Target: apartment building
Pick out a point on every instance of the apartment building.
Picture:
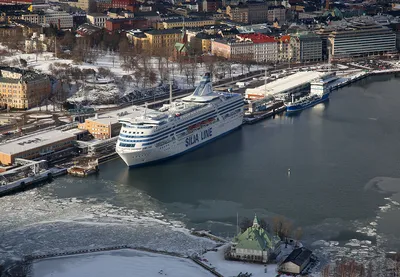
(155, 40)
(22, 89)
(188, 23)
(97, 19)
(210, 5)
(255, 47)
(59, 19)
(62, 20)
(258, 12)
(238, 13)
(265, 47)
(276, 13)
(310, 46)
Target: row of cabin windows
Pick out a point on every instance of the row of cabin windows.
(126, 132)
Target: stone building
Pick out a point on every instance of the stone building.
(238, 13)
(22, 89)
(276, 13)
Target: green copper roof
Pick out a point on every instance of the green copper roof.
(255, 238)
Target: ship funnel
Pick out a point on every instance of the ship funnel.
(205, 86)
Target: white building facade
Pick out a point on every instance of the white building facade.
(98, 19)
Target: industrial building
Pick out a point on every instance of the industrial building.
(106, 126)
(288, 84)
(36, 145)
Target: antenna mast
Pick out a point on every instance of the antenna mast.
(237, 223)
(170, 92)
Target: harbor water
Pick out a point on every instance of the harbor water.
(333, 170)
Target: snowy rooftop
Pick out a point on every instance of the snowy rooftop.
(287, 83)
(114, 116)
(119, 263)
(34, 141)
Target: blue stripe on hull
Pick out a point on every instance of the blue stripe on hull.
(183, 152)
(300, 108)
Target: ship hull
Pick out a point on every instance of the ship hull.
(300, 107)
(180, 146)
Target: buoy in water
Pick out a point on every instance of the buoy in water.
(288, 172)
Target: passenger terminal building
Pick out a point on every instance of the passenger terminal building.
(38, 145)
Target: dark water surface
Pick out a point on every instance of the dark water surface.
(332, 150)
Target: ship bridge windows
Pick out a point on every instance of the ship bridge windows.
(126, 144)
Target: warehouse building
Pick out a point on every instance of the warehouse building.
(35, 146)
(296, 262)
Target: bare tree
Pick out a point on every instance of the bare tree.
(138, 77)
(349, 268)
(193, 73)
(38, 50)
(152, 77)
(245, 223)
(281, 227)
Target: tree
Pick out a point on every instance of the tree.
(124, 50)
(38, 50)
(349, 268)
(68, 41)
(245, 223)
(152, 77)
(126, 79)
(138, 77)
(281, 227)
(263, 224)
(23, 62)
(78, 54)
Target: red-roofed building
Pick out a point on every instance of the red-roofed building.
(265, 47)
(256, 47)
(257, 38)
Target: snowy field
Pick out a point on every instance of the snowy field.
(121, 263)
(112, 61)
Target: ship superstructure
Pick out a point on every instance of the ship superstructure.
(319, 92)
(180, 126)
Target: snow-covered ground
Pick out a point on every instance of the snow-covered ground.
(119, 263)
(233, 268)
(215, 259)
(110, 60)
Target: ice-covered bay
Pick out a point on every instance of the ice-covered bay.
(33, 224)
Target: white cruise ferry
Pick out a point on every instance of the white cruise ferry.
(180, 126)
